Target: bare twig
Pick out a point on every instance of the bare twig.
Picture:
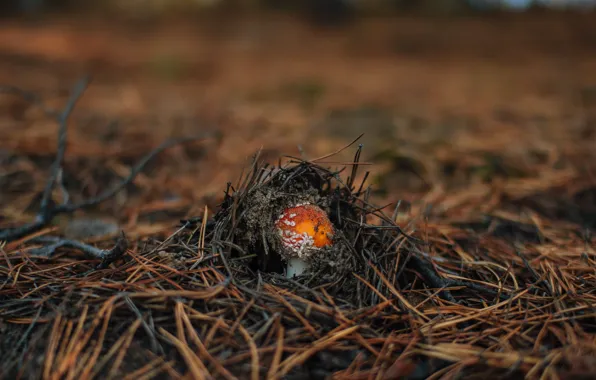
(48, 210)
(68, 208)
(62, 119)
(106, 256)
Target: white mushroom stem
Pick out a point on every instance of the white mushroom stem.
(295, 267)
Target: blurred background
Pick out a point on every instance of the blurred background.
(453, 96)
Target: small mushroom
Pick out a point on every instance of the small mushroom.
(303, 230)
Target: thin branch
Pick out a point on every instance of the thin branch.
(44, 218)
(337, 151)
(68, 208)
(79, 88)
(106, 256)
(48, 210)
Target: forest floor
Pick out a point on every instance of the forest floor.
(483, 127)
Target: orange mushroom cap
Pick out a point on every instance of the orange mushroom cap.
(303, 228)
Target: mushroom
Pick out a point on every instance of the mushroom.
(303, 229)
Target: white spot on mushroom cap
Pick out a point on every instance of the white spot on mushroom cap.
(295, 244)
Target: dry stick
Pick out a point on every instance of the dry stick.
(431, 277)
(45, 218)
(133, 173)
(352, 177)
(47, 212)
(106, 255)
(45, 207)
(44, 215)
(337, 151)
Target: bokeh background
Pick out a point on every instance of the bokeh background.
(454, 97)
